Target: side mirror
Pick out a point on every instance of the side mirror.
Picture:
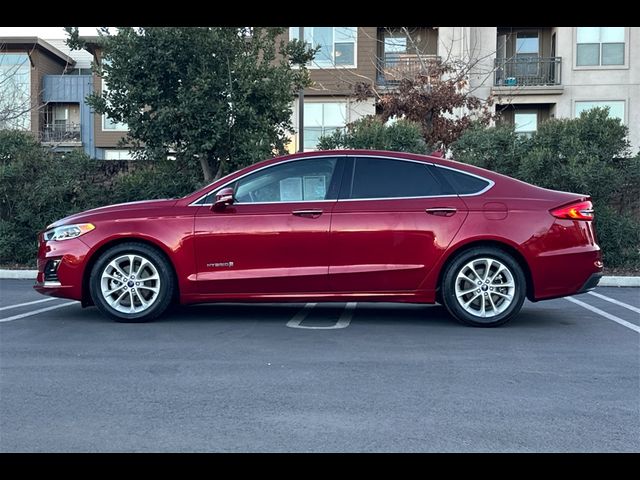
(223, 198)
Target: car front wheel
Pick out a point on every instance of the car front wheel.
(132, 282)
(484, 287)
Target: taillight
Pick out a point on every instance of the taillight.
(575, 211)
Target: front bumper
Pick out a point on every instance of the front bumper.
(72, 255)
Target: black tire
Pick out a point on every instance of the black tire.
(165, 273)
(448, 285)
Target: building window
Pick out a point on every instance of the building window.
(395, 42)
(526, 123)
(15, 91)
(616, 108)
(322, 119)
(600, 46)
(337, 45)
(109, 124)
(117, 154)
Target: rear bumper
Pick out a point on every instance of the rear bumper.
(560, 274)
(591, 283)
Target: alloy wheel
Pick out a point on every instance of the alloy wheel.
(130, 283)
(485, 287)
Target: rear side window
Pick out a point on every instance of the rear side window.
(461, 183)
(386, 178)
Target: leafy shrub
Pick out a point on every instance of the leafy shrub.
(156, 179)
(38, 188)
(371, 133)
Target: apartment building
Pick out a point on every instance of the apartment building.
(44, 86)
(533, 73)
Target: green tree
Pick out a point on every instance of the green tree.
(220, 96)
(372, 133)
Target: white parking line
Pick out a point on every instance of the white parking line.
(622, 322)
(35, 312)
(617, 302)
(343, 321)
(27, 303)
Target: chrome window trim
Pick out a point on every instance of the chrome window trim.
(490, 184)
(394, 198)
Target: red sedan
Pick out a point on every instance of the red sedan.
(350, 225)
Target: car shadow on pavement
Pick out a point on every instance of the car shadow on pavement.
(273, 313)
(379, 314)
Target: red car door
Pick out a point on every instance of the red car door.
(389, 226)
(274, 238)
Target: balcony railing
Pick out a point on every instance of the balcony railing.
(527, 71)
(62, 132)
(393, 67)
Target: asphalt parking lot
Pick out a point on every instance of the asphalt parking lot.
(561, 377)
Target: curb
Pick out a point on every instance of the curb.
(604, 281)
(619, 282)
(19, 274)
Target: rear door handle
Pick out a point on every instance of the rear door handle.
(441, 211)
(313, 213)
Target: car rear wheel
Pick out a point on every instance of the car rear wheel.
(484, 287)
(131, 283)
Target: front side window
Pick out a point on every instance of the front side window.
(616, 108)
(600, 46)
(15, 91)
(337, 45)
(322, 119)
(386, 178)
(302, 180)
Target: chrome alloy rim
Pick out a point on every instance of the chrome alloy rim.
(485, 287)
(130, 284)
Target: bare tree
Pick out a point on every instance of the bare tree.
(443, 92)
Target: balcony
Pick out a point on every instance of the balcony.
(393, 67)
(61, 134)
(528, 74)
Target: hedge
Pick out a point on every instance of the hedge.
(38, 187)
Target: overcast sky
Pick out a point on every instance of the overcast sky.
(42, 32)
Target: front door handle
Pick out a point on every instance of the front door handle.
(442, 211)
(314, 213)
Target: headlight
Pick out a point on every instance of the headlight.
(67, 232)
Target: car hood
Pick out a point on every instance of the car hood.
(86, 215)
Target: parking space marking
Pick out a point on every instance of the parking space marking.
(35, 312)
(347, 315)
(619, 320)
(343, 321)
(617, 302)
(27, 303)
